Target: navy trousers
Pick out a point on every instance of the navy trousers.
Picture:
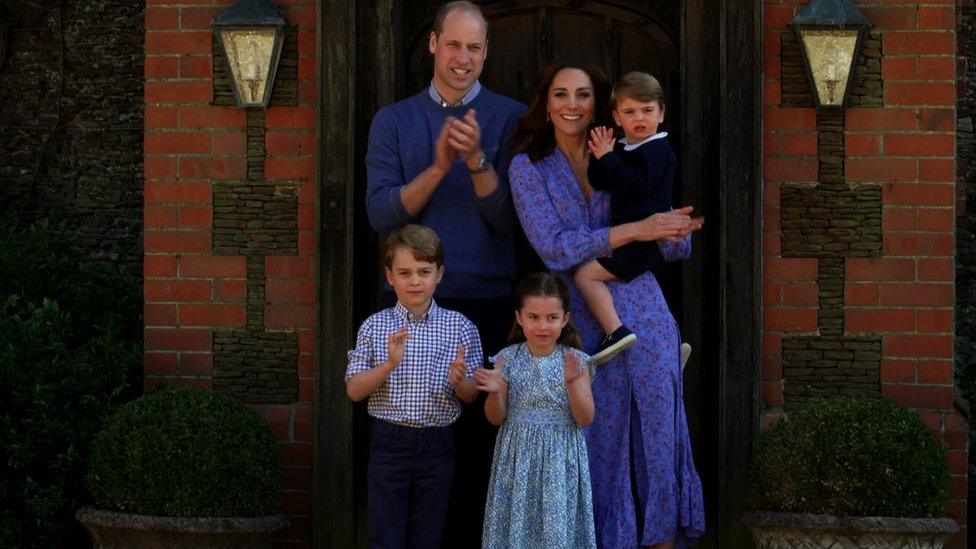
(408, 484)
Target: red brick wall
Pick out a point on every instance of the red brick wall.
(190, 291)
(906, 296)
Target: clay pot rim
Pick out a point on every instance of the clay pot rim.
(114, 519)
(944, 525)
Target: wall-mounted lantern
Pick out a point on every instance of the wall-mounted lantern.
(250, 33)
(831, 33)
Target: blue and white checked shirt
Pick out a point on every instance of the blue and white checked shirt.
(417, 393)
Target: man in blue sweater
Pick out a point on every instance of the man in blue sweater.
(440, 159)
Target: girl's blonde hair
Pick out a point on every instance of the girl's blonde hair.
(545, 285)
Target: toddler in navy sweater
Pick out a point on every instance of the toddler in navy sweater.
(638, 172)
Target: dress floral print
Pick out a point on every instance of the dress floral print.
(645, 486)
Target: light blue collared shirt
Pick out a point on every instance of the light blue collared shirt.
(468, 97)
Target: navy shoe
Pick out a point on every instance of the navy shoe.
(613, 345)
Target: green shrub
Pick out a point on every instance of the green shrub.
(849, 456)
(70, 334)
(187, 453)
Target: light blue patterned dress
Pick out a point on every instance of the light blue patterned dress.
(539, 493)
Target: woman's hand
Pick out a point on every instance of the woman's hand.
(673, 225)
(601, 141)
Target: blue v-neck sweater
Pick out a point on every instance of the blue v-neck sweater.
(476, 233)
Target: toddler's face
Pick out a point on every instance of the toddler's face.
(639, 119)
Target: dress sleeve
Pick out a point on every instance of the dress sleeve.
(561, 246)
(384, 176)
(363, 356)
(674, 251)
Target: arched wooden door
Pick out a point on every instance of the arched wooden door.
(705, 52)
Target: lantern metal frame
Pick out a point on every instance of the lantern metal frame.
(251, 15)
(830, 15)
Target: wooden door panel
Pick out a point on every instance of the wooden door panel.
(512, 63)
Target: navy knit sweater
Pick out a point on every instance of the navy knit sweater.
(640, 180)
(476, 233)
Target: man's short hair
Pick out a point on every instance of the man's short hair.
(420, 240)
(638, 86)
(458, 5)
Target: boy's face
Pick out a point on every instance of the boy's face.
(639, 119)
(413, 280)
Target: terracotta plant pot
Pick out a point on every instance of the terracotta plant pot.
(111, 530)
(788, 530)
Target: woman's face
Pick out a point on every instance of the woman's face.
(571, 102)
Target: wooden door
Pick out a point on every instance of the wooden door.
(706, 54)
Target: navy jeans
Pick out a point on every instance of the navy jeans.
(408, 484)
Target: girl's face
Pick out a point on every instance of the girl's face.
(571, 102)
(542, 319)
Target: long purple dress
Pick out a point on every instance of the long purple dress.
(645, 486)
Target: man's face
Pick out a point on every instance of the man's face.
(459, 53)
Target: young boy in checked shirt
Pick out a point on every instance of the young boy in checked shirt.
(415, 362)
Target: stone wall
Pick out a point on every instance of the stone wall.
(71, 119)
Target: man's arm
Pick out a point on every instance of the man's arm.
(390, 201)
(492, 197)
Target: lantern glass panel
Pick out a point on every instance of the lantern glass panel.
(249, 53)
(830, 53)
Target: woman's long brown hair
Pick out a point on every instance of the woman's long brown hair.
(534, 133)
(545, 285)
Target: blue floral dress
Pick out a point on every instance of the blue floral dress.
(645, 486)
(539, 492)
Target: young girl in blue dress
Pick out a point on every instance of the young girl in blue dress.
(539, 393)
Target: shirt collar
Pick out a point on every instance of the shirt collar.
(467, 98)
(401, 311)
(629, 147)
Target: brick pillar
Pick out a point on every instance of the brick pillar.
(851, 305)
(230, 240)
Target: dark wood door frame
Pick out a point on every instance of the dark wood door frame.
(721, 47)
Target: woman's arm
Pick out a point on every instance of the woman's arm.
(564, 247)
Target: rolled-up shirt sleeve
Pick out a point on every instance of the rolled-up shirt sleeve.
(561, 246)
(473, 357)
(363, 357)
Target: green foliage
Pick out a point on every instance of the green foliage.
(965, 366)
(69, 336)
(854, 457)
(186, 452)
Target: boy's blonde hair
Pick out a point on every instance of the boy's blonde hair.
(638, 86)
(420, 240)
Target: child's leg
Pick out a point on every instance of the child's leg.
(590, 280)
(388, 486)
(430, 489)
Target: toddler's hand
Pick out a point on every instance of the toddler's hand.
(601, 141)
(396, 344)
(490, 381)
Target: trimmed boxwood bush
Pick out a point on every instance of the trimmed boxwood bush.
(854, 457)
(186, 453)
(70, 345)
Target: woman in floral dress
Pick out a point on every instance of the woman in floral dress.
(646, 491)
